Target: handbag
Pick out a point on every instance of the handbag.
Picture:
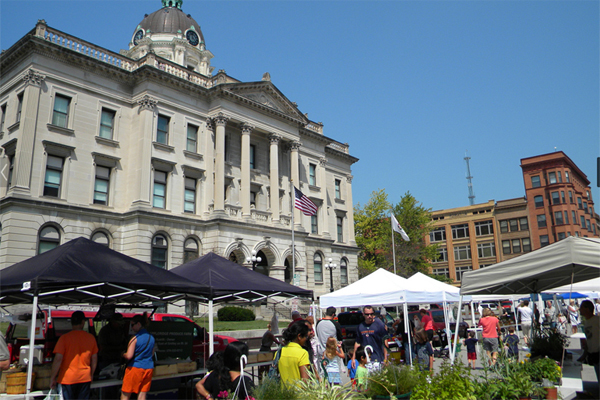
(274, 370)
(124, 363)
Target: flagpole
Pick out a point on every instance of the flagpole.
(293, 194)
(393, 247)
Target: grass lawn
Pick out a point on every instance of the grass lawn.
(238, 325)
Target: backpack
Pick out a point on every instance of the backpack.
(274, 370)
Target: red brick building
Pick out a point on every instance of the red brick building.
(559, 199)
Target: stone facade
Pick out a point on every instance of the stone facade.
(164, 164)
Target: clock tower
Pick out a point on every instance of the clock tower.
(171, 34)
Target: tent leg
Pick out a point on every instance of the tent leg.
(453, 352)
(211, 340)
(31, 345)
(407, 329)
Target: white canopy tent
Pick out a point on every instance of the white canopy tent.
(591, 287)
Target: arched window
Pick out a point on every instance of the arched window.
(287, 275)
(318, 267)
(48, 239)
(101, 238)
(190, 250)
(160, 248)
(344, 271)
(263, 265)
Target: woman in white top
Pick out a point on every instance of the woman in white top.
(526, 315)
(573, 316)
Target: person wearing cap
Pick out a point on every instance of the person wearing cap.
(112, 341)
(295, 317)
(75, 360)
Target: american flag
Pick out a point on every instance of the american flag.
(304, 204)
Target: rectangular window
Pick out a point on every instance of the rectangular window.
(570, 197)
(189, 196)
(11, 167)
(526, 245)
(562, 197)
(539, 201)
(555, 198)
(461, 270)
(514, 225)
(191, 144)
(516, 246)
(437, 235)
(588, 225)
(504, 226)
(567, 217)
(441, 272)
(101, 185)
(107, 124)
(460, 231)
(558, 217)
(535, 181)
(486, 250)
(60, 114)
(54, 168)
(561, 235)
(442, 254)
(484, 228)
(559, 177)
(3, 117)
(462, 252)
(541, 220)
(252, 156)
(582, 218)
(506, 247)
(19, 106)
(544, 241)
(567, 176)
(574, 217)
(312, 174)
(585, 208)
(340, 229)
(162, 129)
(524, 223)
(338, 189)
(579, 203)
(159, 197)
(253, 198)
(314, 224)
(552, 177)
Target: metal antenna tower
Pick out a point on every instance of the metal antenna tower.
(469, 177)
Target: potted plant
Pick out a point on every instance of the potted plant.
(547, 343)
(392, 381)
(450, 382)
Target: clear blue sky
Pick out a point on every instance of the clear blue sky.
(410, 85)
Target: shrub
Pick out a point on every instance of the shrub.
(392, 379)
(235, 314)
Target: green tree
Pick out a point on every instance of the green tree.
(374, 235)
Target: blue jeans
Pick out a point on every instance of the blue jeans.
(76, 391)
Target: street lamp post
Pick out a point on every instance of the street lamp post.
(254, 260)
(330, 266)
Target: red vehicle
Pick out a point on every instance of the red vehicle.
(52, 328)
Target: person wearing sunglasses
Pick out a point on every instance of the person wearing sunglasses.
(371, 332)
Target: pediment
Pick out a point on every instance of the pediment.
(268, 96)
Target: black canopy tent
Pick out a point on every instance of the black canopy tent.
(229, 281)
(82, 271)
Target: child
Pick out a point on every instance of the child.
(351, 371)
(470, 342)
(361, 369)
(511, 344)
(424, 351)
(333, 353)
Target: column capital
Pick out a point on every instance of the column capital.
(210, 125)
(274, 138)
(246, 128)
(349, 178)
(147, 103)
(295, 145)
(322, 161)
(32, 77)
(220, 119)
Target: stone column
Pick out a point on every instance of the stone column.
(295, 146)
(245, 167)
(143, 150)
(220, 122)
(274, 177)
(350, 210)
(324, 217)
(23, 162)
(209, 176)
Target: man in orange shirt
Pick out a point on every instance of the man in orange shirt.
(75, 360)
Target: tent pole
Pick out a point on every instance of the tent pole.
(409, 332)
(31, 344)
(211, 336)
(453, 352)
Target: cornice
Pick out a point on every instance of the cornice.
(339, 154)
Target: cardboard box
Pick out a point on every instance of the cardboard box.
(186, 367)
(262, 357)
(161, 370)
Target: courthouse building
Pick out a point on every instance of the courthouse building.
(152, 154)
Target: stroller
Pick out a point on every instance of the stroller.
(443, 352)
